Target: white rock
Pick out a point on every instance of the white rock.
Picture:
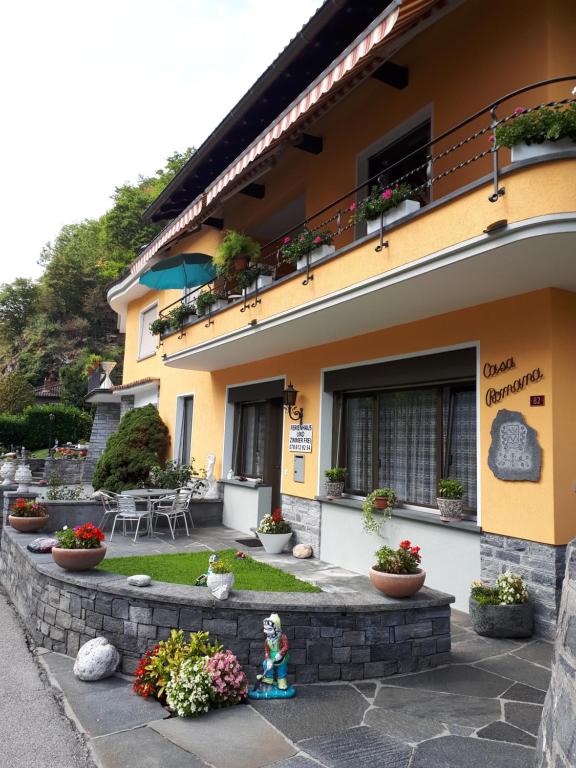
(96, 660)
(302, 551)
(139, 580)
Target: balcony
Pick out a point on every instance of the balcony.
(476, 227)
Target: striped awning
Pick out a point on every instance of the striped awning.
(396, 19)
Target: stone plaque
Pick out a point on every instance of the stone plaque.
(514, 452)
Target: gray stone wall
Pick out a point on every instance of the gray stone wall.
(62, 611)
(542, 565)
(105, 423)
(557, 738)
(126, 404)
(68, 471)
(304, 517)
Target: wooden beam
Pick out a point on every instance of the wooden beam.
(392, 74)
(254, 190)
(214, 222)
(308, 143)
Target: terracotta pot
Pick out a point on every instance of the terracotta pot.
(78, 559)
(381, 502)
(27, 524)
(240, 262)
(397, 584)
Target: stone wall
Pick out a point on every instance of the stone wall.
(68, 471)
(557, 738)
(304, 517)
(327, 642)
(105, 423)
(542, 565)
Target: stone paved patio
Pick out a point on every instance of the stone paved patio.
(482, 710)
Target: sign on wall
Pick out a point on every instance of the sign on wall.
(514, 452)
(300, 438)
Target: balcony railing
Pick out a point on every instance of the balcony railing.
(465, 153)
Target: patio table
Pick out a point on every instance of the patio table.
(148, 494)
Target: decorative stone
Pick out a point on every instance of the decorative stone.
(302, 551)
(514, 452)
(96, 660)
(139, 580)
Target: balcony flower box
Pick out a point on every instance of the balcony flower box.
(261, 282)
(220, 304)
(524, 151)
(405, 208)
(316, 255)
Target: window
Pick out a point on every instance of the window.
(185, 409)
(407, 439)
(147, 345)
(250, 439)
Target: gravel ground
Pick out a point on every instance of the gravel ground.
(34, 732)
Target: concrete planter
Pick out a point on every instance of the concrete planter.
(333, 489)
(502, 620)
(397, 584)
(27, 524)
(261, 282)
(404, 209)
(316, 255)
(450, 509)
(217, 580)
(78, 559)
(274, 543)
(529, 151)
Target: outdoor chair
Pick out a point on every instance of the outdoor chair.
(173, 507)
(127, 512)
(109, 503)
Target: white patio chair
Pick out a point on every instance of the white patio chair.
(109, 503)
(172, 508)
(127, 512)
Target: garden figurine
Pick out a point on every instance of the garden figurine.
(275, 665)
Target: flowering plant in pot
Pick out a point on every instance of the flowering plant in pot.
(450, 504)
(532, 132)
(235, 252)
(79, 548)
(381, 499)
(334, 483)
(502, 610)
(28, 516)
(274, 532)
(382, 203)
(312, 245)
(220, 575)
(397, 572)
(178, 316)
(160, 325)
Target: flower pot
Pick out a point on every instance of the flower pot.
(261, 282)
(397, 584)
(274, 543)
(333, 489)
(216, 580)
(381, 502)
(240, 262)
(502, 620)
(529, 151)
(450, 509)
(316, 255)
(27, 524)
(393, 214)
(78, 559)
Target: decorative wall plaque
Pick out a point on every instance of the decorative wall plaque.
(514, 452)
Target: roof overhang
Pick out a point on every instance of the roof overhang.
(527, 256)
(115, 394)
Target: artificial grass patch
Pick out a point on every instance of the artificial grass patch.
(185, 567)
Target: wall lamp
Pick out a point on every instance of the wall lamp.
(290, 394)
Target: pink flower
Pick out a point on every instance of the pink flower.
(387, 194)
(519, 110)
(317, 240)
(492, 138)
(287, 240)
(352, 207)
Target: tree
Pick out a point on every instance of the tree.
(16, 393)
(17, 303)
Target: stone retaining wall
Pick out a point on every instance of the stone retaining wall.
(541, 565)
(327, 641)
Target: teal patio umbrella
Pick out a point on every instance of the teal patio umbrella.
(186, 270)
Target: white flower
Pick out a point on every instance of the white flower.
(65, 528)
(574, 91)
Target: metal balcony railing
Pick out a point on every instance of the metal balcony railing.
(461, 155)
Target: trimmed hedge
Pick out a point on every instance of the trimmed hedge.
(32, 428)
(140, 442)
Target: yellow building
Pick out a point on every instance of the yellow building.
(417, 343)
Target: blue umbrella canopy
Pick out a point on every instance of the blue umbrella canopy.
(186, 270)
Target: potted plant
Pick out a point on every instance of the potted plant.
(235, 252)
(27, 516)
(397, 572)
(334, 483)
(254, 277)
(178, 316)
(159, 326)
(204, 301)
(220, 575)
(387, 204)
(79, 548)
(503, 610)
(274, 532)
(306, 246)
(450, 504)
(382, 499)
(536, 132)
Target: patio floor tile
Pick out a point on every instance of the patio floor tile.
(359, 747)
(470, 681)
(457, 752)
(505, 732)
(448, 708)
(518, 669)
(152, 750)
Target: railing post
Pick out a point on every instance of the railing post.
(498, 191)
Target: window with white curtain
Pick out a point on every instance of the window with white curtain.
(147, 344)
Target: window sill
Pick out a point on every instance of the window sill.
(245, 483)
(466, 524)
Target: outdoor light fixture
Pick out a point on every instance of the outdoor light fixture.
(290, 394)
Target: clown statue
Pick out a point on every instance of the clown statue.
(273, 683)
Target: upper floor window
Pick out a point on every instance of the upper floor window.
(147, 342)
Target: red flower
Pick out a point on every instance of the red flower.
(405, 544)
(287, 240)
(317, 240)
(277, 516)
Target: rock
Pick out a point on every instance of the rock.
(302, 551)
(139, 580)
(96, 660)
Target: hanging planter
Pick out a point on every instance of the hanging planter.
(537, 132)
(311, 246)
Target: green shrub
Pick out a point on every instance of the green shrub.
(15, 393)
(11, 430)
(140, 443)
(539, 125)
(70, 425)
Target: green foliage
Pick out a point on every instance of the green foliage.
(17, 304)
(172, 475)
(381, 200)
(140, 443)
(204, 301)
(235, 244)
(11, 430)
(59, 491)
(16, 393)
(510, 589)
(296, 248)
(537, 126)
(181, 312)
(450, 489)
(70, 425)
(371, 524)
(221, 566)
(335, 475)
(159, 326)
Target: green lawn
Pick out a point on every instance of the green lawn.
(41, 454)
(185, 567)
